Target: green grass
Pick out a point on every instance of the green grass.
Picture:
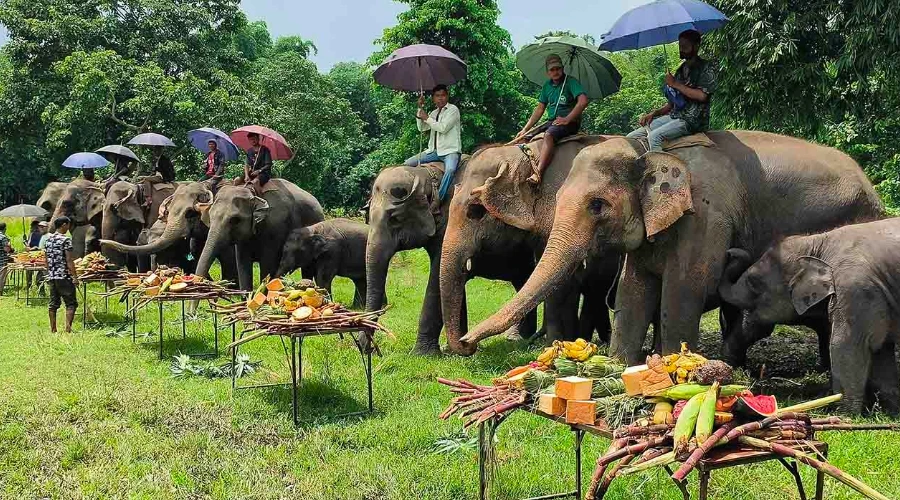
(92, 416)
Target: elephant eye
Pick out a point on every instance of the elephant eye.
(399, 192)
(476, 211)
(597, 205)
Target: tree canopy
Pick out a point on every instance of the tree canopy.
(79, 75)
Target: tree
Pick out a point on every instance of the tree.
(294, 44)
(354, 82)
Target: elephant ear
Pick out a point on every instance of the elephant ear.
(508, 198)
(318, 244)
(666, 191)
(812, 284)
(260, 210)
(94, 202)
(129, 208)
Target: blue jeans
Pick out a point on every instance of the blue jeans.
(662, 129)
(451, 161)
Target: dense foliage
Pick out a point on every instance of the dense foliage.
(78, 75)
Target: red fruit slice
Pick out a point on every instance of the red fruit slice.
(756, 406)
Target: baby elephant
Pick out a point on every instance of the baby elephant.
(849, 277)
(335, 247)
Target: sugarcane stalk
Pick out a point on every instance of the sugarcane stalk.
(600, 469)
(632, 450)
(607, 481)
(856, 427)
(638, 430)
(248, 338)
(660, 461)
(701, 450)
(810, 405)
(825, 467)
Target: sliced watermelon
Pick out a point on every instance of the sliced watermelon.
(756, 406)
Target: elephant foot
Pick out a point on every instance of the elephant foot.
(427, 349)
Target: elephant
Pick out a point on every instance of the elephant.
(51, 194)
(256, 227)
(124, 217)
(404, 214)
(335, 247)
(675, 215)
(181, 231)
(82, 201)
(493, 208)
(848, 277)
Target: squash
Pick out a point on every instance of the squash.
(276, 285)
(302, 313)
(133, 282)
(291, 305)
(178, 287)
(252, 306)
(152, 280)
(153, 291)
(259, 299)
(272, 296)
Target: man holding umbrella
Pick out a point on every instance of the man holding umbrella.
(215, 164)
(164, 171)
(687, 111)
(259, 162)
(564, 100)
(444, 142)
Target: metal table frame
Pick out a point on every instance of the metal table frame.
(488, 429)
(295, 363)
(84, 308)
(161, 325)
(21, 281)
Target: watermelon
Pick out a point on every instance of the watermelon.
(756, 406)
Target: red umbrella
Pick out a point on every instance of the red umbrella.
(269, 138)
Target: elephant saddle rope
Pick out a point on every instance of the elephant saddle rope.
(435, 173)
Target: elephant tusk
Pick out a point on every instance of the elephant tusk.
(584, 264)
(469, 265)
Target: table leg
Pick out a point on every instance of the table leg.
(369, 380)
(482, 467)
(233, 357)
(159, 303)
(183, 323)
(85, 306)
(216, 333)
(579, 435)
(792, 468)
(704, 485)
(294, 380)
(133, 317)
(106, 298)
(820, 477)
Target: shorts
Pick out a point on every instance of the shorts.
(62, 290)
(558, 132)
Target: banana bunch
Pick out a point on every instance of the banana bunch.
(580, 350)
(548, 355)
(683, 365)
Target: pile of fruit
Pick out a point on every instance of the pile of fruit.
(36, 258)
(172, 282)
(282, 306)
(95, 266)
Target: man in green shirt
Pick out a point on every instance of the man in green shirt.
(689, 91)
(564, 100)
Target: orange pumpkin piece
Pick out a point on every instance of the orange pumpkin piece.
(275, 285)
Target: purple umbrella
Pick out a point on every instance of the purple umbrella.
(200, 138)
(85, 160)
(661, 22)
(417, 67)
(151, 139)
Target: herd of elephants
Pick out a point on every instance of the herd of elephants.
(769, 229)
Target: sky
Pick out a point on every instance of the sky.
(344, 30)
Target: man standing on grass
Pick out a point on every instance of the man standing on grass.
(5, 253)
(61, 275)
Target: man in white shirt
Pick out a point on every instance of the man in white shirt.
(444, 140)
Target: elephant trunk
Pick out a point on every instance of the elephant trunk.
(244, 266)
(454, 259)
(730, 289)
(380, 249)
(566, 248)
(108, 231)
(214, 243)
(174, 232)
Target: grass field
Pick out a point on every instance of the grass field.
(92, 415)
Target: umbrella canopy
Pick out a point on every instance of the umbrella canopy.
(597, 75)
(269, 138)
(661, 22)
(117, 150)
(23, 211)
(417, 67)
(85, 160)
(200, 138)
(151, 139)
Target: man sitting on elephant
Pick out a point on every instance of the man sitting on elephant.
(444, 141)
(565, 100)
(164, 171)
(258, 169)
(688, 92)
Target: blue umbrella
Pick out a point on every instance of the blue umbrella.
(201, 136)
(661, 22)
(151, 139)
(85, 160)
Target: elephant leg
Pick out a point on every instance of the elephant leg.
(359, 293)
(324, 279)
(637, 300)
(822, 327)
(430, 319)
(269, 261)
(851, 362)
(228, 264)
(885, 378)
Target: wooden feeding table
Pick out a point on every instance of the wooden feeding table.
(147, 289)
(360, 326)
(17, 272)
(109, 278)
(730, 456)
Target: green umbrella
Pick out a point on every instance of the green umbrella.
(597, 75)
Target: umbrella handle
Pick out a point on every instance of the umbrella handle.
(421, 95)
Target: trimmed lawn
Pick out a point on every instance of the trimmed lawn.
(93, 415)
